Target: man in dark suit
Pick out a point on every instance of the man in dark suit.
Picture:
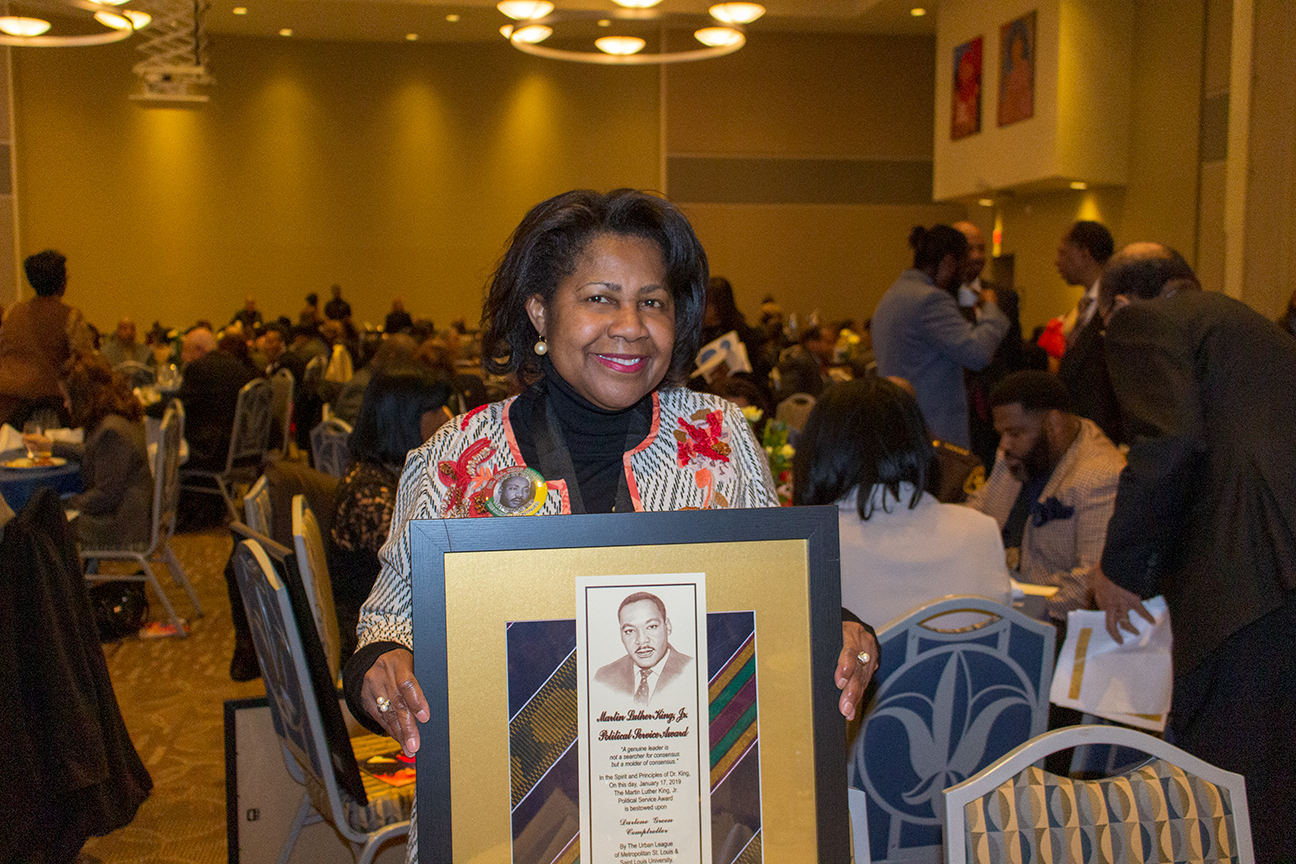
(1008, 357)
(651, 665)
(209, 391)
(1206, 515)
(1082, 253)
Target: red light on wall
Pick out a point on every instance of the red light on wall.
(997, 236)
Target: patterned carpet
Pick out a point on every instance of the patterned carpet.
(171, 693)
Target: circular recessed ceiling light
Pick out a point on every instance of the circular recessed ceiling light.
(605, 22)
(452, 18)
(411, 37)
(736, 13)
(1079, 185)
(240, 10)
(287, 31)
(620, 45)
(16, 25)
(525, 10)
(918, 12)
(986, 202)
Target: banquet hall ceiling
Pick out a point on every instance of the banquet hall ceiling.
(391, 20)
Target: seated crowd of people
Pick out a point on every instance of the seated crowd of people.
(960, 455)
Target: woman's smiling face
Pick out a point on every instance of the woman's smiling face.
(610, 325)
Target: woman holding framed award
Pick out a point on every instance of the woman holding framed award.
(597, 307)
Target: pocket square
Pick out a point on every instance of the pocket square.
(1048, 510)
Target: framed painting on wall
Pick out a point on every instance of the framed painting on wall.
(499, 610)
(965, 110)
(1017, 70)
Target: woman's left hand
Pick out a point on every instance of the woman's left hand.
(852, 675)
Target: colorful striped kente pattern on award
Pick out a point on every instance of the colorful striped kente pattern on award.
(545, 786)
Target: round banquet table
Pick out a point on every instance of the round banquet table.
(19, 484)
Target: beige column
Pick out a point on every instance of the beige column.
(9, 278)
(1260, 190)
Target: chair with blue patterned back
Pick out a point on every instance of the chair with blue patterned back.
(308, 719)
(948, 703)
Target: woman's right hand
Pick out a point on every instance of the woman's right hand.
(391, 677)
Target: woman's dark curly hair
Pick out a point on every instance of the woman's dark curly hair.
(861, 433)
(544, 250)
(96, 390)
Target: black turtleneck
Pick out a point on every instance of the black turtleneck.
(595, 438)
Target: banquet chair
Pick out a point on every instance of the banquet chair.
(166, 492)
(329, 446)
(249, 440)
(1171, 808)
(948, 703)
(312, 563)
(137, 373)
(257, 510)
(281, 402)
(794, 410)
(308, 719)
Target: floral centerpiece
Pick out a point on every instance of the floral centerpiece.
(774, 438)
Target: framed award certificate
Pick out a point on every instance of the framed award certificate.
(647, 688)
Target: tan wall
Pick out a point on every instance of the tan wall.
(794, 97)
(1161, 197)
(1160, 201)
(402, 169)
(837, 259)
(845, 97)
(387, 169)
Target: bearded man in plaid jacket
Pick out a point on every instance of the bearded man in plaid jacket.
(1052, 490)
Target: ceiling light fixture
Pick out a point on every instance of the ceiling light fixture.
(117, 24)
(637, 4)
(620, 45)
(1079, 185)
(918, 12)
(525, 10)
(737, 13)
(452, 18)
(127, 19)
(411, 37)
(725, 35)
(287, 31)
(986, 202)
(531, 34)
(719, 37)
(17, 25)
(240, 10)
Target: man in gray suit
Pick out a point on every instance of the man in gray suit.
(1206, 515)
(651, 665)
(920, 335)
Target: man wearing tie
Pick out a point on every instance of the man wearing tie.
(650, 664)
(1081, 255)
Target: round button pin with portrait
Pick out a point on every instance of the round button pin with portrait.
(517, 491)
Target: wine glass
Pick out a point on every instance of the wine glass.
(32, 427)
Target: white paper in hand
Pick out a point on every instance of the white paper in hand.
(1130, 682)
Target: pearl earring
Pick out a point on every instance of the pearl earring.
(541, 347)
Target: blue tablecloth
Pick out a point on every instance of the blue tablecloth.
(19, 484)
